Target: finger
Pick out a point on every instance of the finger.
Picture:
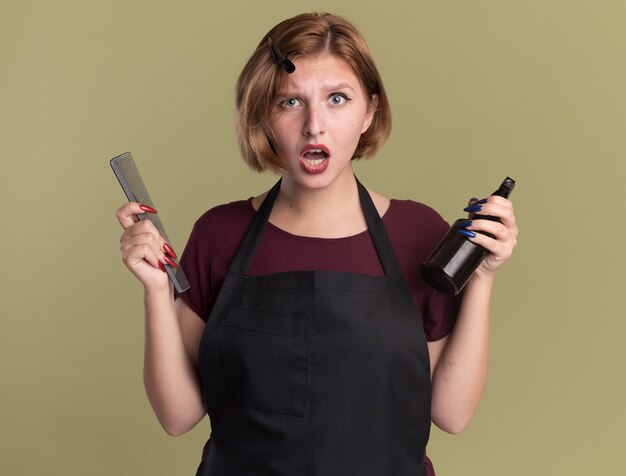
(147, 227)
(471, 202)
(495, 228)
(506, 211)
(501, 249)
(498, 229)
(499, 238)
(143, 246)
(503, 211)
(494, 206)
(141, 227)
(127, 213)
(144, 232)
(136, 254)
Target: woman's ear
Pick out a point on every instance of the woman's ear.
(371, 111)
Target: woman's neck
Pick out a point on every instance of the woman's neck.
(330, 212)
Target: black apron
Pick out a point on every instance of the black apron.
(316, 373)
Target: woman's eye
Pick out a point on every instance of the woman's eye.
(291, 102)
(338, 98)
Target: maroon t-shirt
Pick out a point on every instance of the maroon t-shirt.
(413, 228)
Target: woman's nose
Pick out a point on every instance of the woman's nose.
(314, 121)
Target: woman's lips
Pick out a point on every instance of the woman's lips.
(314, 158)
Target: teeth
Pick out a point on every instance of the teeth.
(315, 151)
(315, 157)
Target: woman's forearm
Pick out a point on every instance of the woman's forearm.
(461, 372)
(170, 376)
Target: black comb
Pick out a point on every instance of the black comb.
(127, 173)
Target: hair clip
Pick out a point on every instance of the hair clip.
(280, 58)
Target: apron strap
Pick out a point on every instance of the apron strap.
(379, 234)
(247, 247)
(245, 253)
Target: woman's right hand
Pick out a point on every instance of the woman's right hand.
(144, 251)
(172, 331)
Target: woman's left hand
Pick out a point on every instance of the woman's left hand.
(505, 231)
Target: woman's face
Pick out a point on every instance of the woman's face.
(318, 117)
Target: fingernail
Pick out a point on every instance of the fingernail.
(464, 224)
(161, 267)
(148, 209)
(170, 261)
(473, 199)
(473, 208)
(469, 234)
(480, 202)
(169, 250)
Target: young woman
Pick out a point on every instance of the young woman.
(308, 335)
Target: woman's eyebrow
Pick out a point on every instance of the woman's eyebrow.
(325, 87)
(335, 87)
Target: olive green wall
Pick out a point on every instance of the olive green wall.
(479, 90)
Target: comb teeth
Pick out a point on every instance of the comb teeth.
(130, 179)
(135, 189)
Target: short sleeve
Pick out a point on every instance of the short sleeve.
(195, 265)
(415, 230)
(441, 310)
(210, 249)
(440, 315)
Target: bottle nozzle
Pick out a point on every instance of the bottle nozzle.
(506, 187)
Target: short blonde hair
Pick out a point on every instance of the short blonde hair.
(308, 34)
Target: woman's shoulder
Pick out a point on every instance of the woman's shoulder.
(413, 211)
(404, 208)
(414, 224)
(226, 212)
(225, 218)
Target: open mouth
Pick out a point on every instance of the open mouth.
(314, 158)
